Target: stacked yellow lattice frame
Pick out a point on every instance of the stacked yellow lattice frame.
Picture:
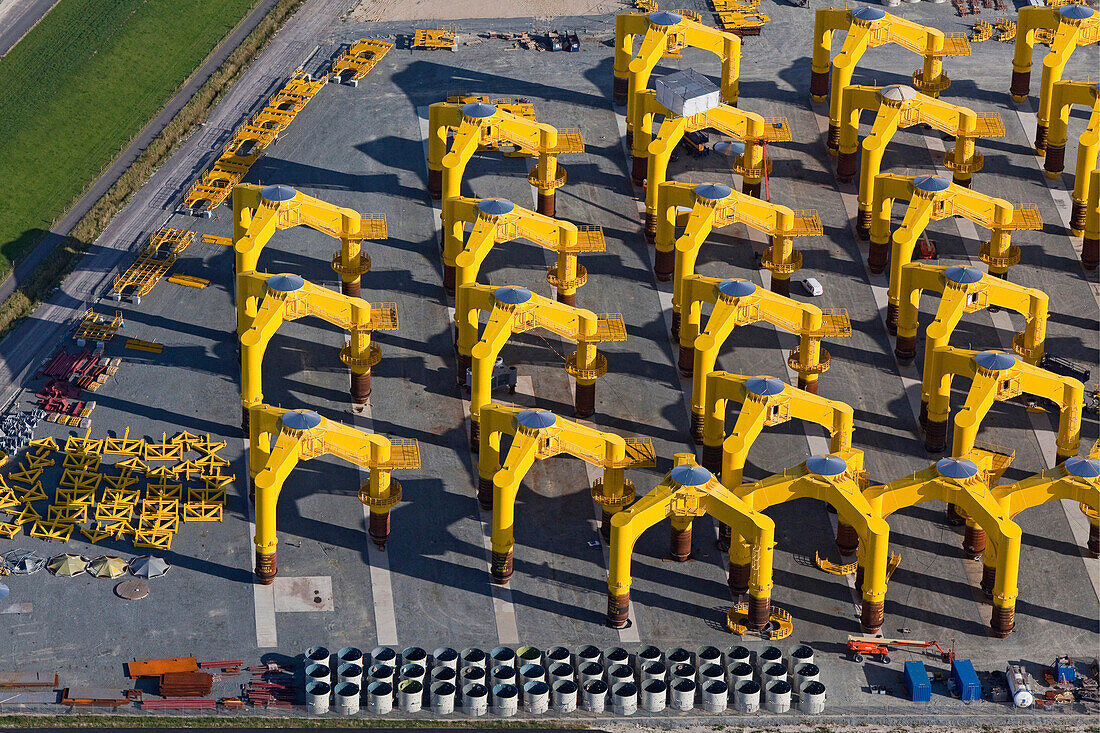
(359, 59)
(154, 260)
(184, 480)
(444, 37)
(97, 327)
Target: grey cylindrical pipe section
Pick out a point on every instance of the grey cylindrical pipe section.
(677, 655)
(736, 654)
(532, 672)
(381, 672)
(646, 654)
(619, 673)
(769, 655)
(709, 671)
(441, 697)
(563, 696)
(594, 696)
(811, 699)
(560, 671)
(414, 655)
(590, 671)
(318, 654)
(773, 673)
(805, 674)
(682, 693)
(615, 655)
(503, 655)
(350, 672)
(654, 694)
(624, 698)
(556, 654)
(747, 697)
(715, 696)
(379, 697)
(654, 670)
(347, 698)
(777, 696)
(445, 656)
(471, 675)
(586, 653)
(383, 655)
(473, 657)
(505, 700)
(319, 671)
(502, 674)
(708, 655)
(799, 654)
(738, 672)
(410, 696)
(412, 671)
(528, 655)
(536, 697)
(475, 699)
(317, 697)
(350, 654)
(683, 669)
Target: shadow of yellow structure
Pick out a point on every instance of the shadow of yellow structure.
(258, 212)
(666, 34)
(996, 377)
(713, 206)
(898, 107)
(651, 156)
(837, 479)
(279, 439)
(538, 435)
(1066, 94)
(495, 221)
(739, 303)
(965, 290)
(265, 302)
(1063, 29)
(962, 482)
(480, 125)
(933, 198)
(869, 27)
(689, 491)
(516, 310)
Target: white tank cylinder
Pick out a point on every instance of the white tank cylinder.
(615, 655)
(768, 655)
(677, 655)
(502, 655)
(586, 653)
(811, 699)
(475, 699)
(410, 696)
(777, 696)
(805, 674)
(554, 655)
(347, 698)
(646, 654)
(414, 655)
(563, 693)
(1017, 686)
(773, 673)
(349, 654)
(619, 673)
(471, 675)
(686, 670)
(528, 655)
(383, 655)
(379, 697)
(502, 675)
(444, 674)
(594, 696)
(738, 672)
(381, 672)
(708, 672)
(350, 672)
(445, 656)
(682, 693)
(737, 654)
(708, 655)
(590, 671)
(441, 697)
(653, 670)
(531, 672)
(746, 698)
(412, 671)
(505, 700)
(715, 696)
(624, 698)
(654, 693)
(473, 657)
(536, 697)
(317, 654)
(799, 654)
(317, 697)
(319, 672)
(560, 671)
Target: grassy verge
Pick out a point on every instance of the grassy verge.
(77, 89)
(61, 261)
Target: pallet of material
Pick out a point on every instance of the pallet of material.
(140, 345)
(105, 696)
(186, 684)
(28, 679)
(158, 667)
(186, 703)
(189, 280)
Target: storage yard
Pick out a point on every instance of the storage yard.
(438, 350)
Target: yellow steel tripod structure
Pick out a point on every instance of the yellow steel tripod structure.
(480, 125)
(689, 491)
(964, 290)
(739, 303)
(838, 480)
(651, 155)
(898, 107)
(538, 435)
(1065, 95)
(933, 198)
(515, 310)
(713, 206)
(279, 439)
(498, 220)
(259, 212)
(1064, 28)
(265, 302)
(664, 34)
(869, 27)
(996, 376)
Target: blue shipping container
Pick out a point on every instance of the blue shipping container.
(916, 681)
(966, 680)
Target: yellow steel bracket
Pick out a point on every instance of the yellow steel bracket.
(1065, 95)
(357, 60)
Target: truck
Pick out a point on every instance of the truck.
(572, 40)
(553, 40)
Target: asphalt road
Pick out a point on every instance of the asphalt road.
(17, 17)
(66, 223)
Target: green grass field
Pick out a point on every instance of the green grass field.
(78, 87)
